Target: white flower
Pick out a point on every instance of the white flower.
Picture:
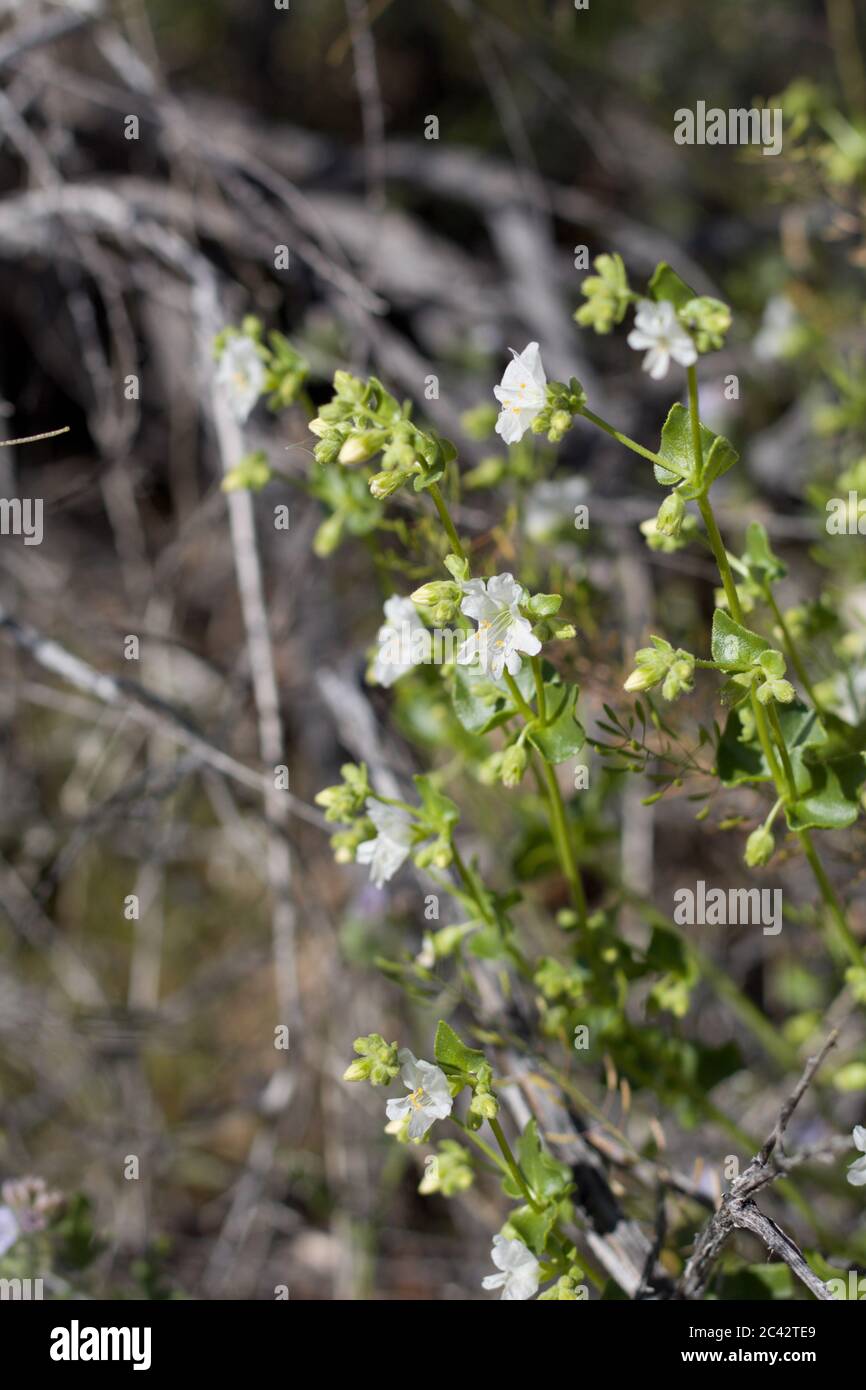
(857, 1170)
(521, 393)
(9, 1229)
(430, 1097)
(657, 328)
(401, 641)
(519, 1277)
(241, 374)
(501, 633)
(391, 846)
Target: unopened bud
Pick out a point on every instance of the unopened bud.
(669, 520)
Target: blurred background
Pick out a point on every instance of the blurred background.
(432, 171)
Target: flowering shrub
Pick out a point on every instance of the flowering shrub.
(501, 694)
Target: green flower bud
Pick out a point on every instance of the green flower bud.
(359, 1070)
(382, 485)
(327, 450)
(377, 1062)
(783, 691)
(329, 535)
(514, 765)
(443, 854)
(760, 847)
(487, 473)
(480, 422)
(560, 424)
(669, 520)
(607, 295)
(772, 663)
(439, 591)
(484, 1104)
(708, 319)
(449, 1171)
(680, 677)
(360, 447)
(251, 474)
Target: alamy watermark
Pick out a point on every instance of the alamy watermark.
(22, 516)
(737, 126)
(717, 907)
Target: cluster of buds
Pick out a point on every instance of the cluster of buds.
(662, 664)
(557, 414)
(442, 597)
(346, 803)
(363, 420)
(31, 1202)
(570, 1288)
(483, 1105)
(447, 1172)
(607, 295)
(251, 475)
(772, 669)
(765, 677)
(376, 1061)
(708, 320)
(671, 321)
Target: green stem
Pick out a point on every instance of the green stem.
(787, 792)
(445, 518)
(525, 708)
(561, 836)
(513, 1166)
(631, 443)
(776, 726)
(695, 422)
(831, 901)
(540, 698)
(563, 842)
(792, 650)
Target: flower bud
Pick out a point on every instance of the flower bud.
(360, 447)
(439, 591)
(772, 663)
(669, 520)
(359, 1070)
(760, 847)
(514, 765)
(783, 691)
(382, 485)
(485, 1105)
(560, 424)
(442, 854)
(646, 676)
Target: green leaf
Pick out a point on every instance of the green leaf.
(734, 647)
(721, 457)
(562, 737)
(676, 446)
(481, 703)
(740, 759)
(832, 801)
(763, 566)
(666, 284)
(439, 812)
(532, 1227)
(450, 1052)
(547, 1177)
